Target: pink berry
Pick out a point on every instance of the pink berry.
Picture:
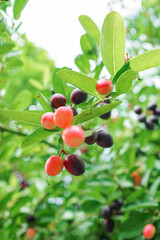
(73, 136)
(58, 100)
(48, 121)
(104, 86)
(149, 231)
(63, 117)
(54, 165)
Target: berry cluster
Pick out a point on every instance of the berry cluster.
(73, 135)
(153, 119)
(107, 213)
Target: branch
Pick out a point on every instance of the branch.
(2, 129)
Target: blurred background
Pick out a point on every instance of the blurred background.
(32, 46)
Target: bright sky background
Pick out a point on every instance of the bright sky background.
(54, 26)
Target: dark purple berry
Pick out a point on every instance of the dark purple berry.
(157, 112)
(78, 96)
(142, 118)
(104, 139)
(30, 218)
(73, 111)
(91, 139)
(58, 100)
(137, 109)
(108, 225)
(149, 125)
(74, 164)
(106, 212)
(117, 204)
(152, 106)
(154, 118)
(105, 115)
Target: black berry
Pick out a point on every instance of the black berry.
(149, 124)
(58, 100)
(157, 112)
(91, 139)
(142, 118)
(73, 111)
(78, 96)
(117, 204)
(108, 225)
(152, 106)
(106, 212)
(104, 139)
(30, 218)
(74, 164)
(137, 109)
(154, 118)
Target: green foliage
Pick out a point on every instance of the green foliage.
(113, 42)
(18, 7)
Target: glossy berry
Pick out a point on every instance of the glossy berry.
(117, 204)
(149, 231)
(58, 100)
(30, 218)
(30, 233)
(73, 111)
(157, 111)
(152, 106)
(105, 115)
(106, 212)
(137, 109)
(149, 125)
(54, 165)
(108, 225)
(154, 118)
(73, 136)
(91, 139)
(104, 86)
(141, 118)
(74, 165)
(78, 96)
(48, 120)
(63, 117)
(104, 139)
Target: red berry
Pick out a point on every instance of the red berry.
(58, 100)
(104, 86)
(54, 165)
(149, 231)
(63, 117)
(73, 136)
(48, 121)
(74, 165)
(30, 233)
(78, 96)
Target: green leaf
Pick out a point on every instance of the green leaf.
(155, 186)
(44, 102)
(113, 42)
(124, 82)
(134, 225)
(59, 84)
(36, 84)
(90, 27)
(6, 47)
(145, 178)
(146, 60)
(89, 47)
(140, 204)
(22, 100)
(94, 112)
(82, 63)
(18, 7)
(27, 117)
(122, 70)
(81, 81)
(14, 63)
(90, 205)
(97, 71)
(37, 136)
